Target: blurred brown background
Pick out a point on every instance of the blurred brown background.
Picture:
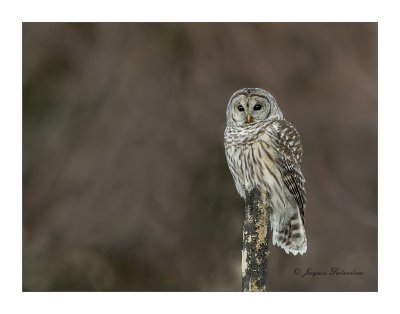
(125, 183)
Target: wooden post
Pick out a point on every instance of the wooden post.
(255, 241)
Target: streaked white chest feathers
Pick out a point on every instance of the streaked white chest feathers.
(251, 153)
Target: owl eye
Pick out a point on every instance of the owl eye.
(240, 108)
(257, 107)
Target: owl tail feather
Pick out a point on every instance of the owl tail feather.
(292, 237)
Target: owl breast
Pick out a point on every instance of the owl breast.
(251, 159)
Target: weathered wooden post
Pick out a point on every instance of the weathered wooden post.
(255, 241)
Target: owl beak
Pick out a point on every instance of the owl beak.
(248, 118)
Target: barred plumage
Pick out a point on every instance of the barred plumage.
(264, 150)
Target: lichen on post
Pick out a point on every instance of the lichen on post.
(255, 241)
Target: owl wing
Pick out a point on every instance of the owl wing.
(290, 151)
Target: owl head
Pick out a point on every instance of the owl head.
(252, 105)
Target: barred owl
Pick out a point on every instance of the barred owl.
(264, 150)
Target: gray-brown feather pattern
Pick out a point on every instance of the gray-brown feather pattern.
(289, 146)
